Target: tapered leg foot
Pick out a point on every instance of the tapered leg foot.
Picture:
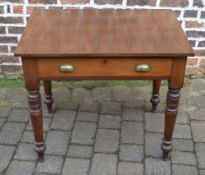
(155, 95)
(40, 148)
(166, 155)
(170, 119)
(48, 99)
(166, 149)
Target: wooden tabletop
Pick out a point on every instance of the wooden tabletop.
(104, 32)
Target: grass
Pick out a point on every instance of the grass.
(18, 82)
(11, 82)
(106, 83)
(3, 103)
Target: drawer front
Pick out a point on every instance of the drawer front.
(75, 68)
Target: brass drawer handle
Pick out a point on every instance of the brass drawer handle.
(66, 68)
(143, 68)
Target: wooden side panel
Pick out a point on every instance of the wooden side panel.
(30, 73)
(178, 72)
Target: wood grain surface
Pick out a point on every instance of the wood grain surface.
(104, 32)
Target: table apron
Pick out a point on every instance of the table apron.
(104, 68)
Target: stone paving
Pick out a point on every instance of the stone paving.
(104, 131)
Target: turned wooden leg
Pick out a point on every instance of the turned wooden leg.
(155, 94)
(37, 121)
(48, 100)
(170, 119)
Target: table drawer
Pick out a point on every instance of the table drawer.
(74, 68)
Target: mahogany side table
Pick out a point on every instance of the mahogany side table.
(122, 44)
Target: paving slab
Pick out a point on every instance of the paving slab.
(111, 108)
(20, 167)
(4, 111)
(198, 130)
(25, 151)
(80, 151)
(197, 114)
(104, 131)
(133, 114)
(137, 103)
(182, 132)
(130, 168)
(57, 142)
(11, 133)
(6, 153)
(90, 106)
(200, 153)
(2, 120)
(80, 95)
(131, 152)
(183, 169)
(183, 145)
(132, 132)
(51, 165)
(104, 164)
(19, 115)
(154, 122)
(153, 143)
(109, 121)
(76, 166)
(122, 93)
(63, 120)
(107, 141)
(155, 166)
(87, 116)
(185, 158)
(182, 118)
(83, 133)
(102, 94)
(202, 172)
